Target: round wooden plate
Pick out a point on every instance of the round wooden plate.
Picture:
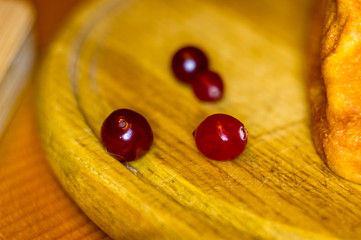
(116, 54)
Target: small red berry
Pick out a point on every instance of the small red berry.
(221, 137)
(207, 86)
(126, 135)
(187, 61)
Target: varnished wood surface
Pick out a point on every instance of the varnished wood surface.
(32, 203)
(114, 54)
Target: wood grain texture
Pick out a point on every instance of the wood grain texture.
(32, 203)
(116, 54)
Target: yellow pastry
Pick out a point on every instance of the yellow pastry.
(335, 90)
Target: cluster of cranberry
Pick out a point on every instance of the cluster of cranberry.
(190, 65)
(127, 135)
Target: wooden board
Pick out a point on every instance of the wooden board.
(33, 205)
(17, 54)
(116, 54)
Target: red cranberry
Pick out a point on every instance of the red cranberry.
(221, 137)
(187, 61)
(207, 86)
(126, 135)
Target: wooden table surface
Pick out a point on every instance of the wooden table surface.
(33, 205)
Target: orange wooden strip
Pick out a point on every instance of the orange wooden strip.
(32, 204)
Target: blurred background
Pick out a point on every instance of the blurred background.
(49, 16)
(32, 204)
